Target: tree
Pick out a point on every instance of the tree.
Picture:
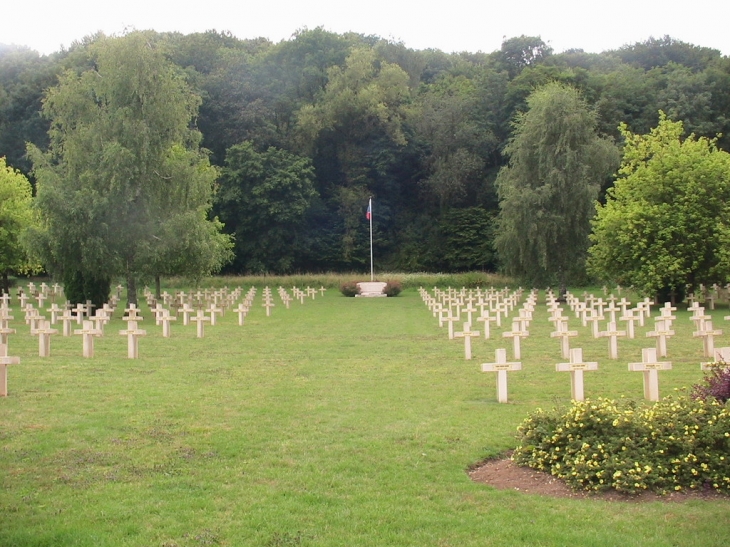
(124, 165)
(356, 128)
(557, 163)
(665, 224)
(519, 52)
(263, 199)
(15, 216)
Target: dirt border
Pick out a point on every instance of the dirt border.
(504, 474)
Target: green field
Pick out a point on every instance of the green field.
(340, 422)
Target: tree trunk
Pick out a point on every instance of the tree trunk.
(5, 283)
(157, 287)
(131, 290)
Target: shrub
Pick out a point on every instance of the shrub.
(350, 288)
(598, 445)
(716, 383)
(393, 288)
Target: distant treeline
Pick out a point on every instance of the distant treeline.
(305, 131)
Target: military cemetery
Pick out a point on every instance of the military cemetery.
(335, 291)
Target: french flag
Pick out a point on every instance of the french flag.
(369, 214)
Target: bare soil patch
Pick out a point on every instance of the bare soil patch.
(504, 474)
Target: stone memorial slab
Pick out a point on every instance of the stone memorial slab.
(371, 289)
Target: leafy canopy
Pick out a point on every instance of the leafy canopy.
(557, 164)
(15, 217)
(665, 221)
(124, 180)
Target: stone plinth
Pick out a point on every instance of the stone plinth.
(371, 288)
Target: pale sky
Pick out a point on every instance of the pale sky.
(450, 25)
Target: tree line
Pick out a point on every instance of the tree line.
(300, 133)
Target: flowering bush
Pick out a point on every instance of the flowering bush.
(671, 445)
(715, 384)
(350, 288)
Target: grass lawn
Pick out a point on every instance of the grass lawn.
(340, 422)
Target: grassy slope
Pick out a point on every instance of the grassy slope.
(340, 422)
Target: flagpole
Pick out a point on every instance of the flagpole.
(370, 208)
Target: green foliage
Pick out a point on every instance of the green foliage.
(24, 76)
(422, 131)
(350, 288)
(467, 239)
(354, 131)
(450, 122)
(263, 199)
(520, 52)
(664, 224)
(124, 180)
(676, 444)
(79, 287)
(15, 218)
(557, 164)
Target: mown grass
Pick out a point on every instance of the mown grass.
(342, 421)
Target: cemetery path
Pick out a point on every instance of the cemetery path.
(504, 474)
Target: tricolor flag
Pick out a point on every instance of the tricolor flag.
(370, 210)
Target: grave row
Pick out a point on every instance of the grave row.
(214, 303)
(589, 310)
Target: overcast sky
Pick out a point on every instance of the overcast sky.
(449, 25)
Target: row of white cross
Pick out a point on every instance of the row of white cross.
(448, 306)
(93, 326)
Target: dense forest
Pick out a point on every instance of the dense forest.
(305, 131)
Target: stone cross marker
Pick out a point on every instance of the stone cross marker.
(200, 319)
(80, 309)
(517, 333)
(133, 333)
(450, 319)
(186, 310)
(165, 320)
(131, 313)
(88, 332)
(562, 332)
(44, 332)
(242, 311)
(66, 317)
(54, 311)
(214, 312)
(650, 367)
(501, 366)
(4, 327)
(467, 334)
(629, 317)
(612, 309)
(661, 333)
(707, 333)
(486, 319)
(5, 360)
(576, 368)
(612, 333)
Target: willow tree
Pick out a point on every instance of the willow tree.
(123, 168)
(557, 163)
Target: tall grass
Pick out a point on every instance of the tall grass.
(333, 280)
